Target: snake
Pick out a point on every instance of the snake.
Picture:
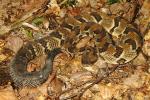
(115, 40)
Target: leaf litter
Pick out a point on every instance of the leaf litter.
(71, 79)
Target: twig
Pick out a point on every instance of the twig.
(98, 80)
(31, 26)
(64, 1)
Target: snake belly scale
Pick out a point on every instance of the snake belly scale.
(115, 40)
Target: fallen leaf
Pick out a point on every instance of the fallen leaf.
(14, 43)
(7, 93)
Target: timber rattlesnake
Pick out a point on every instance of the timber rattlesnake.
(115, 40)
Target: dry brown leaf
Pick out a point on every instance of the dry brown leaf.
(134, 81)
(3, 57)
(55, 88)
(146, 47)
(54, 8)
(80, 77)
(144, 18)
(106, 92)
(14, 43)
(127, 9)
(5, 54)
(29, 93)
(2, 44)
(30, 4)
(4, 29)
(92, 3)
(7, 93)
(88, 95)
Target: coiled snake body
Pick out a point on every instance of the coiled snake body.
(115, 40)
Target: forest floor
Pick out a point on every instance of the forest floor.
(27, 20)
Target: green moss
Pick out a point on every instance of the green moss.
(29, 34)
(67, 3)
(38, 20)
(113, 1)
